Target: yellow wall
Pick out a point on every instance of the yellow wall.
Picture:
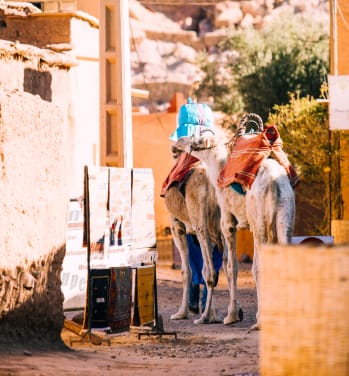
(151, 149)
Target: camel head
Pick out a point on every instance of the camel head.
(175, 151)
(203, 141)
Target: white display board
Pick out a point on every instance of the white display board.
(123, 236)
(338, 90)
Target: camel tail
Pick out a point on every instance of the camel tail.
(285, 215)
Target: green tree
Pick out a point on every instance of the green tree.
(257, 69)
(303, 127)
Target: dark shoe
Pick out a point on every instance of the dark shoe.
(194, 310)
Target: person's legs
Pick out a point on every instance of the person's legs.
(194, 294)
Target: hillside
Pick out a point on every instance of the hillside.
(166, 38)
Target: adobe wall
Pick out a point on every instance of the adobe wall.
(67, 45)
(34, 199)
(44, 30)
(44, 73)
(35, 113)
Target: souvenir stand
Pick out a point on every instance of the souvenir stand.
(110, 264)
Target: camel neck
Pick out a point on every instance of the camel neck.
(214, 159)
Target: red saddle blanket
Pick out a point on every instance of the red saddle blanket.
(248, 154)
(184, 164)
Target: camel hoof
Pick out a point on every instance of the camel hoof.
(211, 318)
(253, 327)
(229, 320)
(201, 320)
(179, 316)
(232, 320)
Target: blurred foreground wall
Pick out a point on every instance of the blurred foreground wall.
(303, 312)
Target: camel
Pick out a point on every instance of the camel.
(194, 210)
(267, 207)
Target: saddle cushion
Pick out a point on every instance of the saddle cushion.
(183, 165)
(248, 154)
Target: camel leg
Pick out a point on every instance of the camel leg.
(260, 232)
(180, 240)
(229, 231)
(209, 315)
(255, 273)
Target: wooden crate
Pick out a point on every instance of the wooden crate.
(144, 303)
(304, 311)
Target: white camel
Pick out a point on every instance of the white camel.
(268, 206)
(194, 210)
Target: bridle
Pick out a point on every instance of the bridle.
(201, 132)
(197, 148)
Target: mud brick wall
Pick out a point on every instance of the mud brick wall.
(69, 30)
(33, 207)
(38, 31)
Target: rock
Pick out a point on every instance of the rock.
(248, 21)
(185, 53)
(254, 8)
(163, 59)
(227, 14)
(213, 38)
(28, 281)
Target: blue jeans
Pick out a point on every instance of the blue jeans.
(194, 295)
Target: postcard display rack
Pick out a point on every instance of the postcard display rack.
(110, 265)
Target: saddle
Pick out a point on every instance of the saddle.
(184, 166)
(251, 146)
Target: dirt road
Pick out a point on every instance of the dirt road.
(213, 349)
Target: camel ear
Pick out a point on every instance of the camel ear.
(175, 151)
(180, 143)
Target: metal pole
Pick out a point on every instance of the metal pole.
(123, 36)
(88, 240)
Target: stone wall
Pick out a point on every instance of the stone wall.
(34, 199)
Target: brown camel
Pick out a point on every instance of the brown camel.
(194, 210)
(268, 205)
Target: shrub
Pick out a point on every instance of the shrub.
(257, 69)
(303, 126)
